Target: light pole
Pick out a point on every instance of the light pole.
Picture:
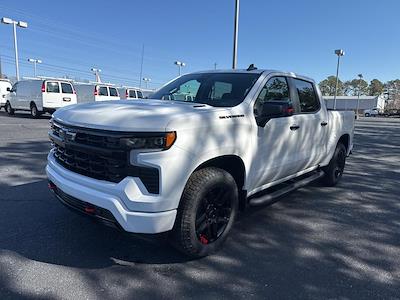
(235, 34)
(21, 24)
(35, 62)
(96, 74)
(180, 65)
(339, 53)
(146, 80)
(360, 76)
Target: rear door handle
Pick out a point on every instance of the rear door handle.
(294, 127)
(323, 123)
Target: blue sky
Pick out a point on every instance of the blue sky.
(292, 35)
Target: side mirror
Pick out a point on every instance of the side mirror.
(273, 109)
(8, 89)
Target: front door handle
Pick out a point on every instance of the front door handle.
(294, 127)
(323, 123)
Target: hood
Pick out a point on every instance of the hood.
(129, 115)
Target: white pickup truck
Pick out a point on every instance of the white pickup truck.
(186, 165)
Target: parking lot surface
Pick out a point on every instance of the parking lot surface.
(316, 243)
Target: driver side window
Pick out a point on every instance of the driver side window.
(276, 89)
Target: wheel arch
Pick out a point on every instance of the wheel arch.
(345, 140)
(235, 166)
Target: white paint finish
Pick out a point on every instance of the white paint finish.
(270, 155)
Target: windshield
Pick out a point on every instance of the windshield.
(215, 89)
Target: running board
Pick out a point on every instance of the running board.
(287, 188)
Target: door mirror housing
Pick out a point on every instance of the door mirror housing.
(273, 109)
(8, 89)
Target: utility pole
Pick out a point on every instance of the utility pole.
(215, 66)
(96, 74)
(141, 68)
(339, 53)
(235, 34)
(35, 62)
(1, 72)
(21, 24)
(360, 76)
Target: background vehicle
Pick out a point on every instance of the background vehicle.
(91, 92)
(40, 96)
(130, 93)
(5, 86)
(245, 138)
(371, 112)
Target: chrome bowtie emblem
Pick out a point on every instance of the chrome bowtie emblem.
(67, 135)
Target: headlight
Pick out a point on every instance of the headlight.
(162, 141)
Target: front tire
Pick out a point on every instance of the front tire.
(335, 169)
(206, 212)
(9, 109)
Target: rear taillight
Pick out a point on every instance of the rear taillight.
(43, 87)
(126, 94)
(96, 93)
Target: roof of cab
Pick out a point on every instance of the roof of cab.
(258, 71)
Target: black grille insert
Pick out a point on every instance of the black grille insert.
(98, 155)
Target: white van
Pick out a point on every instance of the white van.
(5, 87)
(130, 93)
(90, 92)
(40, 96)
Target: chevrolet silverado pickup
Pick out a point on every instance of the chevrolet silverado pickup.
(207, 145)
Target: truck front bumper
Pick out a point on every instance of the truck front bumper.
(95, 197)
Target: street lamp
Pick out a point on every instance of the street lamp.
(360, 76)
(235, 34)
(35, 62)
(21, 24)
(180, 65)
(96, 74)
(146, 80)
(339, 53)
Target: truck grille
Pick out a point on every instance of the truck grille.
(98, 155)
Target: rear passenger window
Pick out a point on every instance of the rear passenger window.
(52, 87)
(307, 97)
(103, 91)
(113, 92)
(139, 94)
(132, 94)
(66, 88)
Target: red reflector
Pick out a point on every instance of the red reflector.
(90, 210)
(52, 186)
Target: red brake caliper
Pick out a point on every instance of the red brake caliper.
(203, 239)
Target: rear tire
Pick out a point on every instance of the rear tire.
(10, 111)
(335, 169)
(34, 111)
(206, 213)
(366, 115)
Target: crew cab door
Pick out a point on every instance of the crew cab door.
(312, 119)
(276, 144)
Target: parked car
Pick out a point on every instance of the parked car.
(130, 93)
(5, 88)
(92, 92)
(371, 112)
(40, 96)
(185, 167)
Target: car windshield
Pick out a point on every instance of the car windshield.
(215, 89)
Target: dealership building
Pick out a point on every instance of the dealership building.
(350, 102)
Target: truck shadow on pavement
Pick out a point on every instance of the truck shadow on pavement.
(317, 242)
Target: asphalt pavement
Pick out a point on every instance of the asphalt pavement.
(316, 243)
